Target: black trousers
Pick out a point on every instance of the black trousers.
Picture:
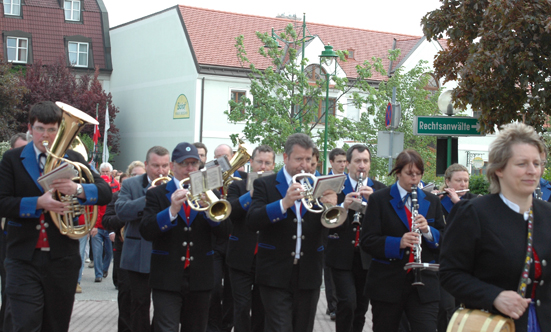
(221, 302)
(445, 310)
(330, 293)
(2, 277)
(41, 292)
(189, 307)
(248, 311)
(124, 297)
(421, 316)
(140, 301)
(289, 309)
(353, 301)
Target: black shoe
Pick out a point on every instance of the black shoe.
(105, 274)
(98, 279)
(333, 316)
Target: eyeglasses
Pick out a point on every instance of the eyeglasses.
(41, 130)
(189, 163)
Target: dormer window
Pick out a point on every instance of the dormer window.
(72, 10)
(350, 54)
(12, 7)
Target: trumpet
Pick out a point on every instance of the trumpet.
(162, 179)
(216, 210)
(332, 216)
(357, 206)
(417, 265)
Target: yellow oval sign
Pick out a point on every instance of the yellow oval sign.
(181, 109)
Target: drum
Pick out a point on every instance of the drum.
(473, 320)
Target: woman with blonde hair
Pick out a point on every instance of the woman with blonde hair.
(491, 241)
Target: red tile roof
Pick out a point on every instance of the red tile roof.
(212, 34)
(45, 21)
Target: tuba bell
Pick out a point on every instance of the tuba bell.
(71, 124)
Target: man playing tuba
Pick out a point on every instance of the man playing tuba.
(42, 265)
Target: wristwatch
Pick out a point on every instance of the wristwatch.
(80, 190)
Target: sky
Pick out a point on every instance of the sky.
(398, 16)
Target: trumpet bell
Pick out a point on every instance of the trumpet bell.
(219, 209)
(333, 216)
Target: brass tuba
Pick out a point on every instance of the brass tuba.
(240, 158)
(72, 122)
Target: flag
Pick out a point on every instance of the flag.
(97, 135)
(105, 158)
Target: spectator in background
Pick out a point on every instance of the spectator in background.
(202, 149)
(107, 170)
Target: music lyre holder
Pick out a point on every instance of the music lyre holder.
(418, 267)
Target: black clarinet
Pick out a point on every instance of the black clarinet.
(417, 265)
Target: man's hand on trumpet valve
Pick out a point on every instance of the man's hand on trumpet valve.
(176, 200)
(329, 196)
(293, 193)
(203, 202)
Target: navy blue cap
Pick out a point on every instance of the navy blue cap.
(184, 151)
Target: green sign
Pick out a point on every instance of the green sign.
(446, 126)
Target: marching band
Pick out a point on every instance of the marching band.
(184, 224)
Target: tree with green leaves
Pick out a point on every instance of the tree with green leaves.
(414, 100)
(286, 99)
(11, 94)
(57, 82)
(499, 52)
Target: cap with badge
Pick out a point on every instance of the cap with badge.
(184, 151)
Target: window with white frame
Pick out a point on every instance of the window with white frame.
(72, 10)
(78, 54)
(12, 7)
(352, 112)
(18, 49)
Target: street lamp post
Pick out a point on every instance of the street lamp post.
(328, 57)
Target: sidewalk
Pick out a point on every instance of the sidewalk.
(96, 308)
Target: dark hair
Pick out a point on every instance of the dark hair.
(302, 140)
(408, 157)
(17, 136)
(316, 153)
(263, 148)
(200, 145)
(158, 150)
(122, 176)
(360, 147)
(45, 112)
(336, 152)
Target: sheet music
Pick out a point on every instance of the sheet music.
(255, 175)
(64, 171)
(334, 182)
(196, 183)
(213, 178)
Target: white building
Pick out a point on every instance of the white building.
(175, 71)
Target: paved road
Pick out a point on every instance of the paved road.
(96, 308)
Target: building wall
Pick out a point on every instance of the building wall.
(153, 66)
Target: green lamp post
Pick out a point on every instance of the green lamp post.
(328, 58)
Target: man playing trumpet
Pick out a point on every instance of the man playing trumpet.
(182, 275)
(290, 248)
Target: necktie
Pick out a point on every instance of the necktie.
(41, 162)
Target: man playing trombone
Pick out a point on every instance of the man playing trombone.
(290, 248)
(348, 262)
(182, 275)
